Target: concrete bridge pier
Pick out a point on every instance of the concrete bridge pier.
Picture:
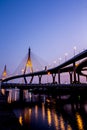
(78, 78)
(21, 95)
(86, 78)
(53, 76)
(59, 76)
(70, 73)
(74, 70)
(40, 76)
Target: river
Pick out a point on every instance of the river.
(47, 112)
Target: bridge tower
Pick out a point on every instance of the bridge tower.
(4, 74)
(28, 65)
(29, 62)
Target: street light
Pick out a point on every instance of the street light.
(22, 71)
(74, 50)
(60, 60)
(66, 54)
(54, 63)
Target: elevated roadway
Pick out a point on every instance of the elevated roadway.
(59, 89)
(68, 66)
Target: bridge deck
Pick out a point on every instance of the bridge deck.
(58, 89)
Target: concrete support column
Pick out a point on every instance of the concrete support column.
(78, 78)
(21, 95)
(53, 76)
(59, 76)
(40, 76)
(74, 70)
(31, 79)
(70, 73)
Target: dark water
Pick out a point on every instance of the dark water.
(45, 112)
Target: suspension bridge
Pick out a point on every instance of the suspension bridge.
(76, 67)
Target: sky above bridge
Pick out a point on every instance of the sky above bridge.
(50, 27)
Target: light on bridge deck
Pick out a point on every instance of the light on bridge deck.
(48, 73)
(76, 65)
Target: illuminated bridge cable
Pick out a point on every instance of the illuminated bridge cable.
(68, 66)
(30, 63)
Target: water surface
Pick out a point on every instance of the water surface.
(45, 112)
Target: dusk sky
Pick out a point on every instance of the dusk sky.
(50, 27)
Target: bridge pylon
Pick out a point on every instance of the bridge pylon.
(29, 62)
(28, 65)
(4, 74)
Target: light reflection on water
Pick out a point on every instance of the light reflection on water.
(20, 120)
(79, 121)
(43, 113)
(33, 118)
